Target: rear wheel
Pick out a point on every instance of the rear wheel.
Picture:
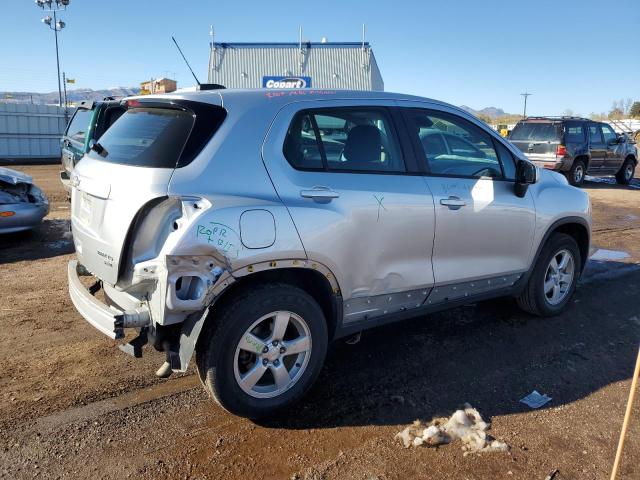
(265, 352)
(577, 173)
(626, 172)
(554, 277)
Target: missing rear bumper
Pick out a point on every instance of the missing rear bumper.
(107, 319)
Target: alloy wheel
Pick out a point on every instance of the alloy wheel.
(578, 173)
(272, 354)
(628, 172)
(559, 277)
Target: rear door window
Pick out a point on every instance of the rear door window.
(357, 139)
(79, 125)
(535, 132)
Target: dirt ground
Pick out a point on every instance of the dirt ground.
(73, 406)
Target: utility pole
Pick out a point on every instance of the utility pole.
(64, 82)
(525, 95)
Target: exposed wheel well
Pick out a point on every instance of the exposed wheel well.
(580, 234)
(584, 159)
(311, 281)
(635, 160)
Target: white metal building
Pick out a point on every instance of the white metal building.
(322, 65)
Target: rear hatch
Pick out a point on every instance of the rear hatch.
(538, 139)
(130, 168)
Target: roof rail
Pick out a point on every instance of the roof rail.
(556, 117)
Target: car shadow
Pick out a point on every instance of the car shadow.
(49, 239)
(489, 354)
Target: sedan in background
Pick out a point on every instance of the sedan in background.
(22, 204)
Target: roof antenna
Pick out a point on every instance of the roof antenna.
(364, 30)
(185, 61)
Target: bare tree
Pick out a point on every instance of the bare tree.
(627, 106)
(568, 113)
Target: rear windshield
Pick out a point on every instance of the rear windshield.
(536, 131)
(153, 136)
(146, 137)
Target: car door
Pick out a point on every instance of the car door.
(359, 204)
(614, 150)
(484, 231)
(597, 148)
(74, 141)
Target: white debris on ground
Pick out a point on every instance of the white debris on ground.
(466, 425)
(604, 254)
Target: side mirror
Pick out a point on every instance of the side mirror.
(526, 174)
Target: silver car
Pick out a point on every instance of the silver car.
(253, 227)
(22, 204)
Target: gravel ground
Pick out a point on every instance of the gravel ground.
(73, 406)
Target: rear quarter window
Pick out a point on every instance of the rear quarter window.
(574, 133)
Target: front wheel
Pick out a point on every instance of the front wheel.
(263, 350)
(625, 174)
(553, 280)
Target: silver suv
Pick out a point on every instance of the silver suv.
(253, 227)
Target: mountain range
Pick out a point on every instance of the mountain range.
(492, 112)
(79, 94)
(73, 96)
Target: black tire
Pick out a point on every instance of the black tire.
(626, 172)
(215, 353)
(577, 173)
(533, 299)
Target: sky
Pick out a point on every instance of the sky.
(577, 55)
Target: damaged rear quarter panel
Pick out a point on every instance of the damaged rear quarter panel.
(230, 179)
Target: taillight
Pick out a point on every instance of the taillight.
(132, 103)
(561, 150)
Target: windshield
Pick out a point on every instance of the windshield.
(146, 137)
(536, 132)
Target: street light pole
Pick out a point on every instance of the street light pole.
(525, 95)
(56, 27)
(55, 32)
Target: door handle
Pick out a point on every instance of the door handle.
(319, 193)
(454, 203)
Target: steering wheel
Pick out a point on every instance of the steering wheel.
(484, 172)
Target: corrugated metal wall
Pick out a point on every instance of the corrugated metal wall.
(336, 66)
(30, 131)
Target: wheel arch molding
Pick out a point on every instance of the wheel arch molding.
(577, 228)
(312, 277)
